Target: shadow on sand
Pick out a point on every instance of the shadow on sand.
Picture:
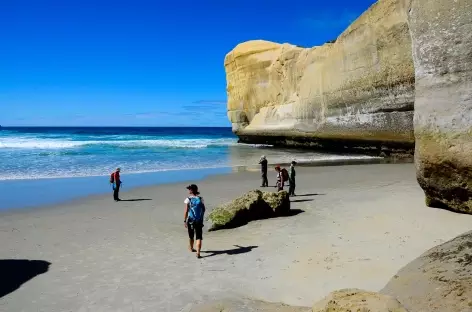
(235, 251)
(292, 212)
(137, 199)
(301, 200)
(14, 273)
(314, 194)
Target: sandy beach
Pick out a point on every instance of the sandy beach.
(357, 226)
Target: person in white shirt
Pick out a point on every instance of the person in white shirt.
(193, 218)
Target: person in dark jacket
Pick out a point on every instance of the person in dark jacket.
(291, 179)
(263, 163)
(116, 183)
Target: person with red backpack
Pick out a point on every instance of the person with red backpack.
(116, 183)
(193, 218)
(282, 177)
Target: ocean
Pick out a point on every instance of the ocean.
(43, 152)
(44, 166)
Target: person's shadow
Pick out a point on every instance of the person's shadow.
(231, 252)
(14, 273)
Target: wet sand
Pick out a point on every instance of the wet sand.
(356, 226)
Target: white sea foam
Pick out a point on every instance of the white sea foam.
(43, 156)
(74, 171)
(26, 143)
(39, 143)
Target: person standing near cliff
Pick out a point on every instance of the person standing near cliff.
(263, 163)
(291, 179)
(115, 180)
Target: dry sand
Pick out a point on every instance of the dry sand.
(360, 224)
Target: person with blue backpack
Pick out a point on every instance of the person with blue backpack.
(193, 219)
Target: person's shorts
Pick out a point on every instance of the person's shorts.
(196, 230)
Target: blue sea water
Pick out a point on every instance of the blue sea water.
(43, 152)
(31, 153)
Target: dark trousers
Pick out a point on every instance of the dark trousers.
(265, 182)
(280, 186)
(195, 231)
(291, 188)
(116, 190)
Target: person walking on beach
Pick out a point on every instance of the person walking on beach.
(291, 179)
(116, 183)
(193, 218)
(280, 179)
(263, 163)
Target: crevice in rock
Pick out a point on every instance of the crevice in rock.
(401, 109)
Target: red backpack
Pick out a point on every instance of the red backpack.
(112, 178)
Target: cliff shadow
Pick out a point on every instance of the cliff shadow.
(15, 273)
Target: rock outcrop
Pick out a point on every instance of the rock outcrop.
(349, 300)
(345, 300)
(253, 205)
(439, 280)
(245, 305)
(356, 93)
(441, 34)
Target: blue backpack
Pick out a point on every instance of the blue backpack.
(197, 210)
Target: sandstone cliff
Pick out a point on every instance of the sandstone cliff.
(442, 50)
(355, 93)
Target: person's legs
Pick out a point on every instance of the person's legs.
(265, 182)
(191, 233)
(199, 238)
(116, 191)
(291, 189)
(199, 247)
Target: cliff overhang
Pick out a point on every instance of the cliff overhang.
(357, 91)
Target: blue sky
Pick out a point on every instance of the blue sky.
(149, 63)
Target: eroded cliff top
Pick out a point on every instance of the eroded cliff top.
(376, 13)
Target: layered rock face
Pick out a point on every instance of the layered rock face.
(440, 280)
(442, 50)
(348, 300)
(245, 305)
(344, 300)
(357, 92)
